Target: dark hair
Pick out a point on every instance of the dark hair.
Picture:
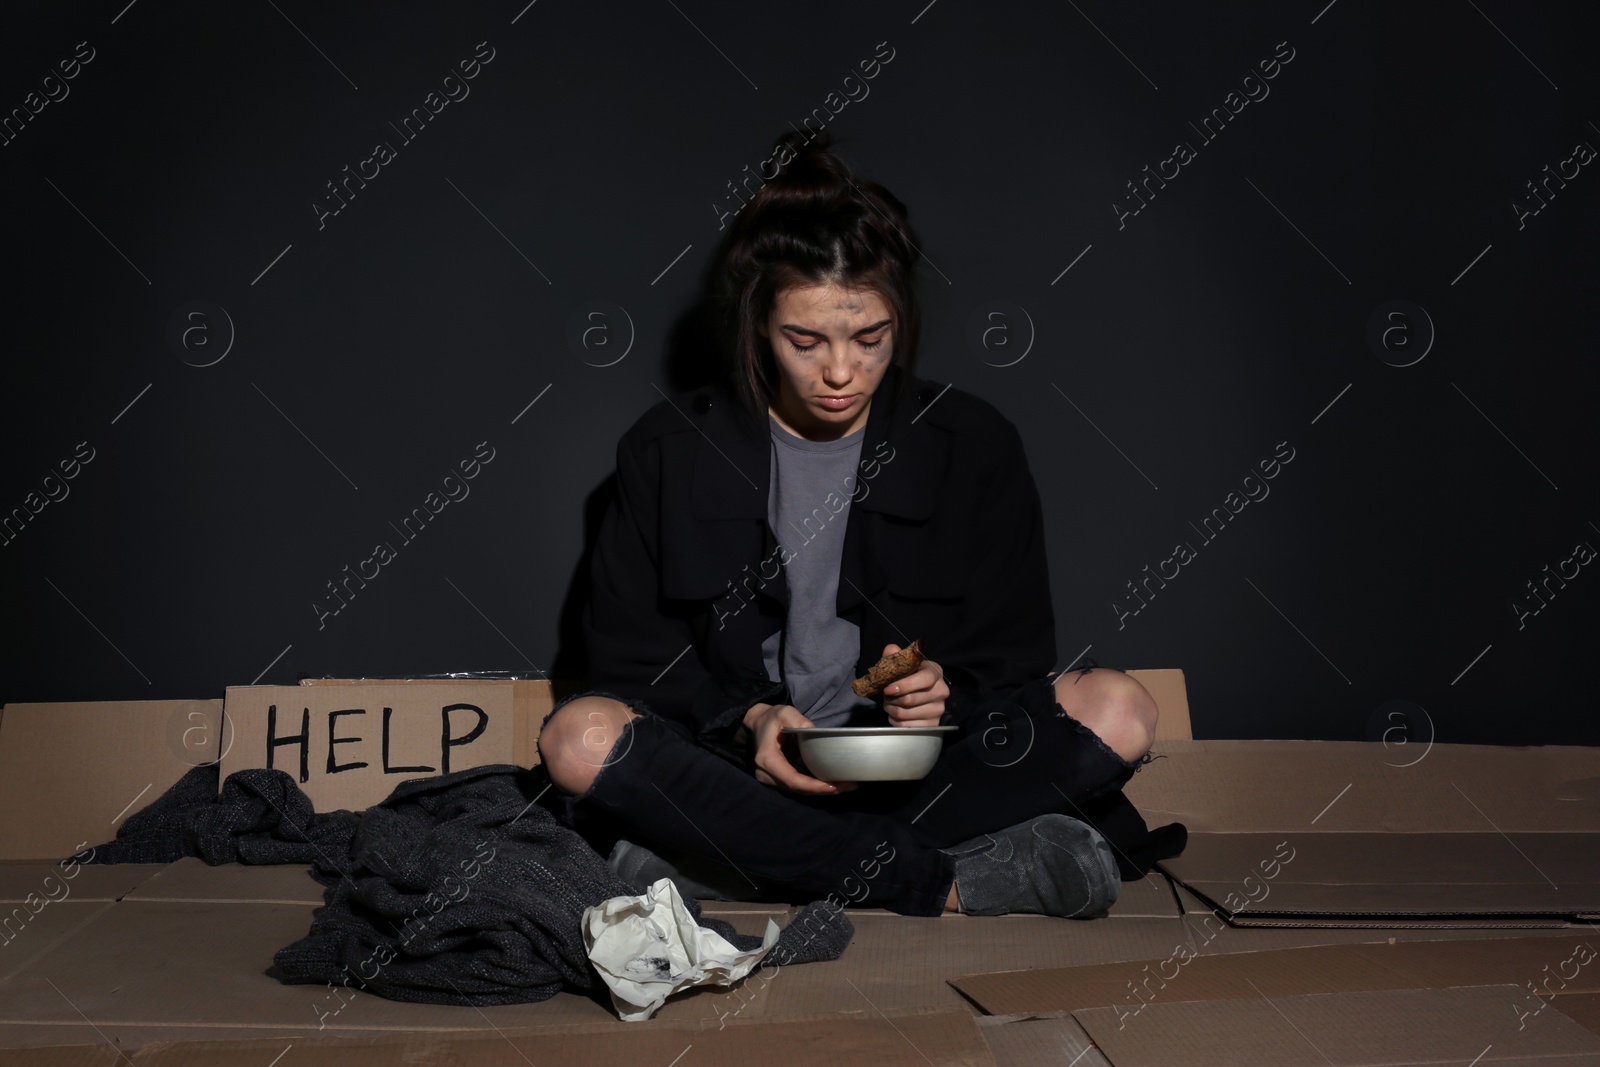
(813, 223)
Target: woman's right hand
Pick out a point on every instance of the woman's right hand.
(765, 723)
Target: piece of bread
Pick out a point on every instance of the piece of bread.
(889, 669)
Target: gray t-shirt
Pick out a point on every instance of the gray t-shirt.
(816, 651)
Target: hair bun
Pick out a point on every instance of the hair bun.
(809, 175)
(812, 223)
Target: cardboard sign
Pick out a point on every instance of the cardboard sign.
(532, 699)
(348, 746)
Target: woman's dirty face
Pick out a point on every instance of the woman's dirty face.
(832, 346)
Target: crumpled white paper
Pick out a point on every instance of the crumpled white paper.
(646, 948)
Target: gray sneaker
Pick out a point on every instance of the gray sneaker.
(1052, 865)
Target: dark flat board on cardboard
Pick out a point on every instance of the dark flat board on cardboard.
(1552, 966)
(1395, 1028)
(1391, 877)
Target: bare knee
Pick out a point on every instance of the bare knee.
(1118, 708)
(577, 740)
(1140, 713)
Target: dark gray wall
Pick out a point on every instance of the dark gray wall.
(372, 350)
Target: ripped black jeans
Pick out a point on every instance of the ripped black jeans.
(877, 845)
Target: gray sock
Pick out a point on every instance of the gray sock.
(1051, 865)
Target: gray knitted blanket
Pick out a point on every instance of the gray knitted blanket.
(457, 889)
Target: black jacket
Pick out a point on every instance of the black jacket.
(944, 542)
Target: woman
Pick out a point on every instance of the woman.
(777, 532)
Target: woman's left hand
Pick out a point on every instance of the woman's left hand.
(918, 698)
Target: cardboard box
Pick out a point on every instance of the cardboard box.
(1540, 966)
(1303, 787)
(1306, 833)
(348, 744)
(1039, 1040)
(1374, 1004)
(191, 879)
(169, 965)
(942, 1039)
(71, 773)
(1396, 1028)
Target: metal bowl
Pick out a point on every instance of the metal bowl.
(870, 753)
